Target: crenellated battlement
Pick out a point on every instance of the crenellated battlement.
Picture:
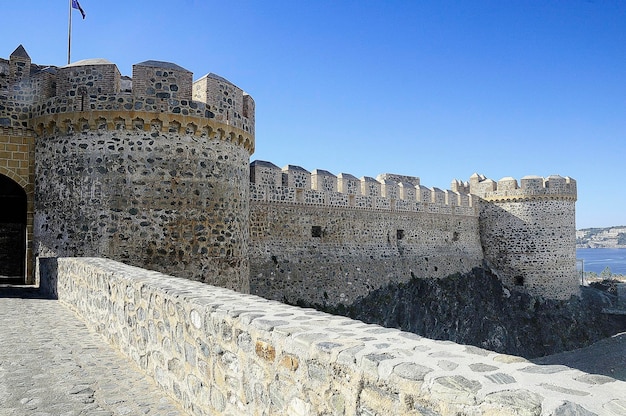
(90, 95)
(388, 192)
(530, 188)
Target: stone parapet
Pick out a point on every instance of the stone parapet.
(271, 194)
(531, 188)
(296, 185)
(95, 85)
(220, 352)
(14, 113)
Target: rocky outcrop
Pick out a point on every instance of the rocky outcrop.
(476, 309)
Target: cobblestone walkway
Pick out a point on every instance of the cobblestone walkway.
(52, 365)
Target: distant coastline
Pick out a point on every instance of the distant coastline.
(608, 237)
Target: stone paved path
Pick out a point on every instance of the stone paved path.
(51, 364)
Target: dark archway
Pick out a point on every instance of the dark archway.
(13, 205)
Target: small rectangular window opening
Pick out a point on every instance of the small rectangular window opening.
(399, 234)
(316, 231)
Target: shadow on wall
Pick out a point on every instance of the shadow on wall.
(530, 245)
(48, 275)
(505, 239)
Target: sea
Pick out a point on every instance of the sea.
(597, 259)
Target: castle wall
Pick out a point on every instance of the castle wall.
(17, 143)
(16, 98)
(221, 352)
(4, 75)
(355, 252)
(309, 242)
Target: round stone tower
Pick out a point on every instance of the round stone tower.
(153, 172)
(528, 233)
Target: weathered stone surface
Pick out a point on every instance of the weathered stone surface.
(520, 402)
(500, 378)
(411, 371)
(565, 390)
(447, 365)
(123, 162)
(481, 367)
(359, 251)
(594, 379)
(572, 409)
(544, 369)
(229, 365)
(183, 198)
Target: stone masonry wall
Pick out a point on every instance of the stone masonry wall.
(17, 149)
(172, 202)
(326, 239)
(528, 233)
(16, 92)
(162, 81)
(221, 352)
(146, 175)
(129, 173)
(528, 252)
(227, 98)
(83, 80)
(332, 255)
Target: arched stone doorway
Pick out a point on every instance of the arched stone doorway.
(13, 214)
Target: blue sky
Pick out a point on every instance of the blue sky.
(435, 89)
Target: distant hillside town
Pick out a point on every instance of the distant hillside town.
(610, 237)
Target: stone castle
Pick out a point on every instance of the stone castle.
(154, 171)
(98, 169)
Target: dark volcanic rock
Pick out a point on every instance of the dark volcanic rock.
(476, 309)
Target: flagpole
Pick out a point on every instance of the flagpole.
(69, 34)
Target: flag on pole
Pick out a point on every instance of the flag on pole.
(76, 5)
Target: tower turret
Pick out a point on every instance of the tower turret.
(528, 232)
(19, 65)
(148, 177)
